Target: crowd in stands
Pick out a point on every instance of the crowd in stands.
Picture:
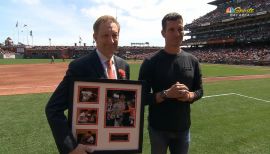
(1, 51)
(219, 13)
(238, 54)
(6, 51)
(62, 47)
(250, 55)
(239, 34)
(240, 31)
(136, 52)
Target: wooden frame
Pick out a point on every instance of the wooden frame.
(107, 115)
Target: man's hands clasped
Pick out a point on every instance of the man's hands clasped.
(180, 92)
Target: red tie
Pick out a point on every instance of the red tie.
(110, 70)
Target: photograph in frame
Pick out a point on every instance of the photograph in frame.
(120, 108)
(87, 136)
(88, 94)
(111, 121)
(87, 116)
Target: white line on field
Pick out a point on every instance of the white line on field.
(258, 99)
(218, 95)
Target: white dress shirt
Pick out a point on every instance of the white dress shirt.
(104, 60)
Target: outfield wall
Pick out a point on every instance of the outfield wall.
(11, 56)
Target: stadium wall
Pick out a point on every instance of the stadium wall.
(9, 56)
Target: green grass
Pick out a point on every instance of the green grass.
(237, 125)
(24, 128)
(217, 70)
(38, 61)
(134, 71)
(29, 61)
(226, 124)
(232, 124)
(232, 70)
(208, 70)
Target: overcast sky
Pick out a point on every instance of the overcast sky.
(65, 21)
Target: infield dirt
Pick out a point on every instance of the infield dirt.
(40, 78)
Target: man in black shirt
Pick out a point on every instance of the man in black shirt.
(173, 81)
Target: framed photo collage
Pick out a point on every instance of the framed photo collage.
(107, 115)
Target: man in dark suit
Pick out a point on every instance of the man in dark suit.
(94, 65)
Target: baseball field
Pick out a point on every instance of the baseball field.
(231, 118)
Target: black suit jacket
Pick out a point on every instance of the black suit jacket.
(88, 66)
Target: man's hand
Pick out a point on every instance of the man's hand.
(82, 149)
(180, 92)
(187, 97)
(177, 90)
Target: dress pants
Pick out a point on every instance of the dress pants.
(177, 142)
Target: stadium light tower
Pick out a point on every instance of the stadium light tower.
(22, 37)
(50, 41)
(31, 34)
(80, 40)
(18, 31)
(26, 31)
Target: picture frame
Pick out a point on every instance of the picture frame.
(107, 115)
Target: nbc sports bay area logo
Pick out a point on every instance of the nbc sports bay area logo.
(238, 11)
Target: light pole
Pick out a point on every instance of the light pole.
(18, 30)
(31, 34)
(26, 30)
(80, 40)
(22, 37)
(50, 41)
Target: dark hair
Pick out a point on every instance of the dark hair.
(170, 16)
(103, 19)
